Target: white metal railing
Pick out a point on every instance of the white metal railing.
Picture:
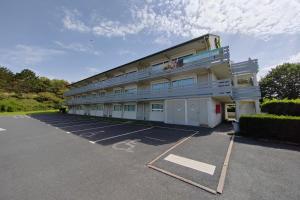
(243, 93)
(201, 60)
(249, 66)
(213, 88)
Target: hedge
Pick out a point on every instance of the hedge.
(285, 128)
(281, 107)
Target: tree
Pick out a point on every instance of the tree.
(282, 82)
(6, 79)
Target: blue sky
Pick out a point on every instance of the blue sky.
(75, 39)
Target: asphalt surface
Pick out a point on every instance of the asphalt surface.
(54, 160)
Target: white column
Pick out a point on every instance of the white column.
(257, 107)
(237, 110)
(185, 111)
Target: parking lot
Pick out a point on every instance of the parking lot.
(80, 157)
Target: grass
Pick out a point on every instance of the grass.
(28, 112)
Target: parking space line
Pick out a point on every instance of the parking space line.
(67, 122)
(2, 129)
(183, 179)
(87, 129)
(81, 124)
(108, 138)
(179, 129)
(157, 139)
(225, 167)
(193, 164)
(173, 147)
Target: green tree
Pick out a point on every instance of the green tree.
(282, 82)
(27, 81)
(6, 79)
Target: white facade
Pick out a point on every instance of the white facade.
(188, 84)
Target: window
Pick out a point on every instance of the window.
(117, 107)
(129, 107)
(183, 82)
(100, 107)
(159, 66)
(118, 91)
(245, 80)
(101, 94)
(156, 86)
(157, 107)
(130, 91)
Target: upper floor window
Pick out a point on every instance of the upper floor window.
(159, 66)
(157, 86)
(101, 94)
(183, 82)
(130, 91)
(245, 80)
(118, 91)
(129, 107)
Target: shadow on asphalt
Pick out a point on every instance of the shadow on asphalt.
(161, 133)
(267, 143)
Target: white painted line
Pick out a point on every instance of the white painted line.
(108, 138)
(179, 129)
(87, 129)
(2, 129)
(81, 124)
(152, 138)
(193, 164)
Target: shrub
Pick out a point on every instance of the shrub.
(281, 107)
(276, 127)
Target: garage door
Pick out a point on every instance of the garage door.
(176, 111)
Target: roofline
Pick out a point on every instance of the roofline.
(154, 54)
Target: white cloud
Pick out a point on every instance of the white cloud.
(71, 22)
(25, 55)
(191, 18)
(78, 47)
(292, 59)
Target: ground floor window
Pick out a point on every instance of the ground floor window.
(129, 107)
(100, 107)
(157, 107)
(117, 107)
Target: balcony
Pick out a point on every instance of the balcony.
(213, 88)
(204, 59)
(245, 93)
(246, 67)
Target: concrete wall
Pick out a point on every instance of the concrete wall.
(213, 118)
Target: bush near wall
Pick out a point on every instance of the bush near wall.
(286, 128)
(281, 107)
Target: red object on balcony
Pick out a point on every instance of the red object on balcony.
(218, 108)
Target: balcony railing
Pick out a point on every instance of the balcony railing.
(213, 88)
(249, 66)
(201, 60)
(244, 93)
